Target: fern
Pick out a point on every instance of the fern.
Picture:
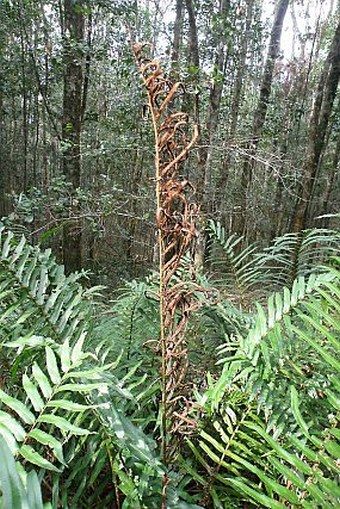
(280, 349)
(72, 403)
(16, 493)
(76, 403)
(245, 275)
(233, 270)
(45, 320)
(244, 457)
(39, 305)
(296, 254)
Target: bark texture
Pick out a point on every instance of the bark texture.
(73, 39)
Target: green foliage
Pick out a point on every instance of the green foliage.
(248, 274)
(80, 392)
(283, 376)
(237, 274)
(44, 214)
(45, 320)
(70, 403)
(16, 493)
(296, 254)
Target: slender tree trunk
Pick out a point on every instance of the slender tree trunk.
(73, 38)
(87, 67)
(211, 122)
(24, 110)
(194, 56)
(323, 105)
(235, 107)
(3, 179)
(177, 36)
(331, 186)
(261, 111)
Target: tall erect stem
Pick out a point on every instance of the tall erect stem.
(176, 230)
(161, 289)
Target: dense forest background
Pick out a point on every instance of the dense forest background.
(169, 254)
(77, 149)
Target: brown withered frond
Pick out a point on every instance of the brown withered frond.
(175, 218)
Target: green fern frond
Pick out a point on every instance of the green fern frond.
(296, 254)
(244, 461)
(44, 420)
(45, 320)
(279, 349)
(36, 298)
(232, 270)
(16, 493)
(288, 364)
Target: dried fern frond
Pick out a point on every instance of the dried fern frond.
(175, 219)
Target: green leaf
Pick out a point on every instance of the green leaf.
(290, 458)
(46, 439)
(65, 356)
(296, 411)
(83, 387)
(52, 366)
(13, 425)
(69, 405)
(9, 438)
(318, 496)
(43, 283)
(13, 494)
(288, 473)
(34, 457)
(42, 381)
(32, 393)
(63, 424)
(317, 347)
(77, 351)
(333, 448)
(257, 496)
(18, 407)
(34, 491)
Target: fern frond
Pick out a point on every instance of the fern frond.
(233, 271)
(45, 419)
(296, 254)
(38, 302)
(288, 363)
(14, 493)
(244, 461)
(279, 350)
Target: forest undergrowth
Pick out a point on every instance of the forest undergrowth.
(80, 388)
(214, 388)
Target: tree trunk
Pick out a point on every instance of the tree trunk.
(322, 110)
(3, 169)
(73, 38)
(24, 110)
(211, 122)
(177, 37)
(194, 58)
(261, 111)
(234, 109)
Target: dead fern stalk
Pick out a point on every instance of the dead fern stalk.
(175, 219)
